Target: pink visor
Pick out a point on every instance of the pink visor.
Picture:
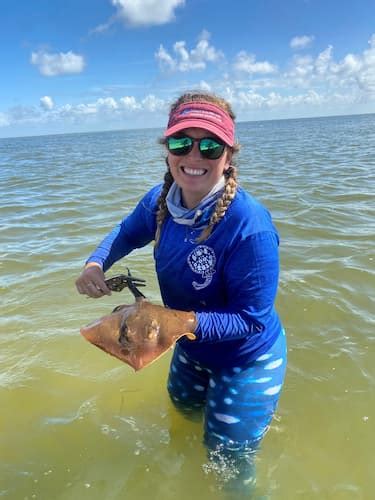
(202, 115)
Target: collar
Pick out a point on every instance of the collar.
(197, 216)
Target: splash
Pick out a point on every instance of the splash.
(222, 466)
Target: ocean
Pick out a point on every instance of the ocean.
(76, 423)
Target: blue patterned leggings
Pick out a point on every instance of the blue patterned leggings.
(238, 403)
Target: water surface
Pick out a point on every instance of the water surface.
(78, 424)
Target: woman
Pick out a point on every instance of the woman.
(216, 253)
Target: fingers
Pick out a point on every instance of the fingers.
(92, 290)
(89, 288)
(91, 282)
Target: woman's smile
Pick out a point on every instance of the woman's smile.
(193, 171)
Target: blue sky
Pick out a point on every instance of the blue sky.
(85, 65)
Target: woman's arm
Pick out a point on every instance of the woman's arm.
(251, 277)
(135, 231)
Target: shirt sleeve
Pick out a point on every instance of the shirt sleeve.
(251, 276)
(135, 231)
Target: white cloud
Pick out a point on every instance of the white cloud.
(165, 59)
(355, 72)
(300, 72)
(46, 102)
(147, 12)
(151, 103)
(251, 100)
(307, 85)
(247, 63)
(366, 78)
(4, 121)
(204, 86)
(102, 110)
(247, 100)
(323, 61)
(129, 103)
(57, 64)
(301, 42)
(107, 104)
(185, 60)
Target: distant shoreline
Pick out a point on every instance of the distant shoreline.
(161, 127)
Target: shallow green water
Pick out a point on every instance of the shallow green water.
(76, 424)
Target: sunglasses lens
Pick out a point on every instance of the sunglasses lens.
(179, 146)
(211, 148)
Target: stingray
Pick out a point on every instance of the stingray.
(140, 333)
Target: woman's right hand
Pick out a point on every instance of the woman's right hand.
(91, 281)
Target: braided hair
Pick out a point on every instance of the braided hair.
(230, 174)
(163, 211)
(222, 203)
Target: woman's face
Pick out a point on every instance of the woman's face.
(195, 175)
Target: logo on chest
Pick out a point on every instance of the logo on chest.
(202, 261)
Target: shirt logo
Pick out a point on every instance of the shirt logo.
(202, 261)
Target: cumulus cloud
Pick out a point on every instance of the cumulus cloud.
(323, 61)
(151, 103)
(107, 103)
(314, 84)
(251, 100)
(46, 103)
(165, 59)
(247, 63)
(366, 77)
(353, 71)
(129, 103)
(147, 12)
(4, 121)
(306, 84)
(204, 86)
(184, 60)
(57, 64)
(301, 42)
(106, 109)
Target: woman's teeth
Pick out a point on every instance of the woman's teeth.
(193, 171)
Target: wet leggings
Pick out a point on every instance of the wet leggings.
(238, 403)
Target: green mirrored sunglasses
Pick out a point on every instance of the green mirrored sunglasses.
(209, 148)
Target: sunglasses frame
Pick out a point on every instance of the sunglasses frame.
(187, 149)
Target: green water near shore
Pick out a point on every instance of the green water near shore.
(78, 424)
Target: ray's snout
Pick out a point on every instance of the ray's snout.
(104, 332)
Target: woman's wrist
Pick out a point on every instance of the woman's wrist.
(93, 264)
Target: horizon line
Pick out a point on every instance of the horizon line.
(161, 127)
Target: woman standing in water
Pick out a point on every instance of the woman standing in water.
(216, 253)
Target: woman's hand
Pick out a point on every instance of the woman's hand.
(91, 281)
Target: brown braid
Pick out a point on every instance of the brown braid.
(162, 205)
(222, 203)
(230, 174)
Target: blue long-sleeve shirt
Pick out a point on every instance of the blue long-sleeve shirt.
(230, 280)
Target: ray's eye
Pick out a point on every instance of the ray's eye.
(123, 338)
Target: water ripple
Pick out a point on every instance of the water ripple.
(62, 194)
